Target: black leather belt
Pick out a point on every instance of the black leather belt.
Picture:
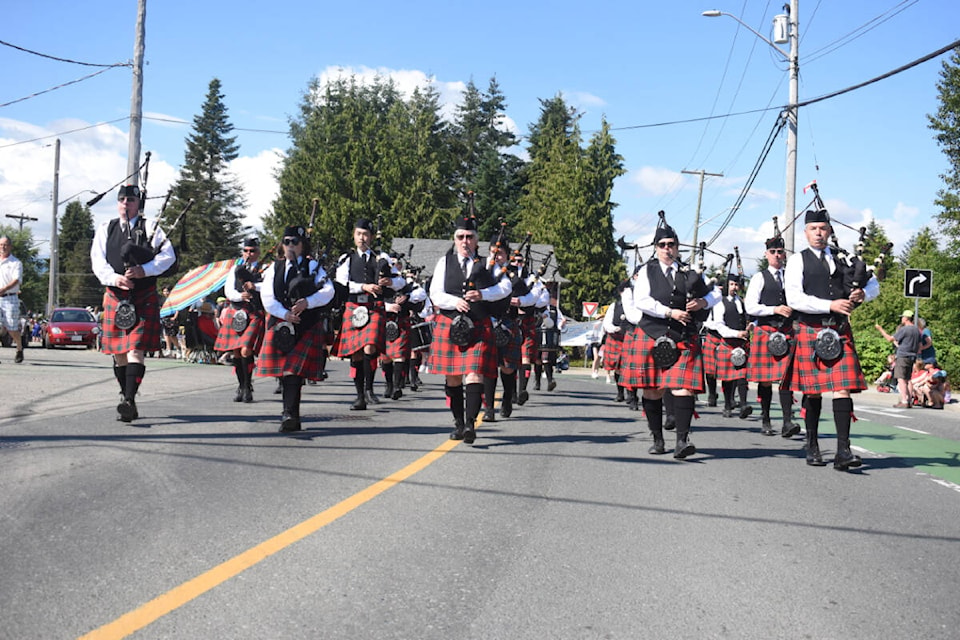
(7, 295)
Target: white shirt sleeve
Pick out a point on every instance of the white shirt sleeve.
(230, 287)
(270, 303)
(751, 299)
(440, 298)
(324, 293)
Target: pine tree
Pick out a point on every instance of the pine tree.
(213, 226)
(946, 122)
(78, 285)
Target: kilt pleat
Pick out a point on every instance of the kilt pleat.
(808, 374)
(613, 351)
(352, 340)
(710, 344)
(638, 371)
(304, 360)
(144, 336)
(250, 338)
(528, 331)
(508, 356)
(399, 349)
(725, 368)
(448, 359)
(762, 365)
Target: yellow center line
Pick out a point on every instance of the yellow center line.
(181, 595)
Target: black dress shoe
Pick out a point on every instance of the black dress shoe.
(397, 394)
(551, 385)
(727, 413)
(248, 394)
(489, 416)
(506, 406)
(767, 428)
(19, 357)
(469, 435)
(789, 430)
(683, 449)
(657, 448)
(279, 388)
(288, 423)
(457, 433)
(712, 400)
(846, 460)
(239, 396)
(372, 397)
(670, 423)
(523, 397)
(536, 387)
(388, 391)
(127, 411)
(619, 397)
(360, 404)
(745, 411)
(814, 459)
(633, 405)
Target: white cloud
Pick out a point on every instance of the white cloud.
(657, 181)
(257, 175)
(583, 99)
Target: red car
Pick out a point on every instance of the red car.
(71, 326)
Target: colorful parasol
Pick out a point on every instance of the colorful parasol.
(196, 284)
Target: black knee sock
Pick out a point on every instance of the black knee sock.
(683, 408)
(456, 403)
(811, 414)
(509, 384)
(842, 413)
(489, 390)
(135, 374)
(239, 368)
(549, 369)
(711, 384)
(474, 396)
(387, 372)
(368, 370)
(667, 403)
(538, 371)
(654, 411)
(786, 404)
(358, 377)
(743, 388)
(727, 386)
(120, 373)
(524, 376)
(766, 396)
(398, 369)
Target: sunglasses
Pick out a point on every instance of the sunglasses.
(666, 245)
(463, 236)
(777, 251)
(291, 241)
(250, 250)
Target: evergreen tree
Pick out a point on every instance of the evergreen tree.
(78, 285)
(946, 122)
(213, 226)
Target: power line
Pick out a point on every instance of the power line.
(60, 86)
(44, 55)
(63, 133)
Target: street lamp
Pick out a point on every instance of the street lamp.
(793, 32)
(75, 195)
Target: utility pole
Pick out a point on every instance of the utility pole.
(21, 218)
(54, 240)
(696, 220)
(136, 97)
(792, 113)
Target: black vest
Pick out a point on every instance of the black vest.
(244, 273)
(772, 295)
(310, 316)
(732, 316)
(116, 240)
(456, 285)
(817, 282)
(364, 274)
(675, 298)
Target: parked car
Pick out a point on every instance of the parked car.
(71, 326)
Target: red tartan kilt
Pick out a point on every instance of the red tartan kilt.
(613, 351)
(352, 340)
(637, 370)
(399, 349)
(447, 359)
(145, 335)
(762, 366)
(809, 374)
(710, 344)
(252, 336)
(725, 368)
(509, 355)
(304, 360)
(528, 330)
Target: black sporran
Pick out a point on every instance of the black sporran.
(778, 344)
(241, 320)
(828, 345)
(285, 337)
(126, 315)
(462, 331)
(392, 330)
(502, 335)
(665, 352)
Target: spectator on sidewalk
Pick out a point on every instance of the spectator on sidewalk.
(907, 341)
(928, 353)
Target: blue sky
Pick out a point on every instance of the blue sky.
(637, 63)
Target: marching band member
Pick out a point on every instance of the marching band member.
(295, 288)
(242, 326)
(729, 320)
(503, 314)
(396, 359)
(367, 275)
(464, 349)
(766, 301)
(825, 358)
(616, 327)
(664, 351)
(127, 262)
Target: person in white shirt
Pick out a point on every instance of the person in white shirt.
(11, 276)
(729, 319)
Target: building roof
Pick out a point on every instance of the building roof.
(426, 252)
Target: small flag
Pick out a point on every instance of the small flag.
(812, 182)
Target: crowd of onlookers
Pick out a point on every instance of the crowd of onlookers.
(925, 384)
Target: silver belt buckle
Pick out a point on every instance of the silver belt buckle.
(363, 298)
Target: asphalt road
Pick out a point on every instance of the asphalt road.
(201, 521)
